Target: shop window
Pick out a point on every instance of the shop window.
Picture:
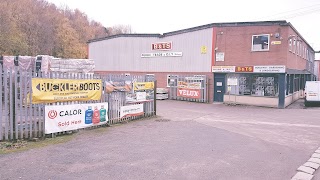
(260, 42)
(253, 84)
(290, 45)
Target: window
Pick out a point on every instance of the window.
(294, 46)
(254, 84)
(298, 48)
(172, 80)
(260, 42)
(290, 45)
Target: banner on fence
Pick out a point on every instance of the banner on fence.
(59, 90)
(143, 85)
(189, 85)
(125, 86)
(61, 118)
(132, 110)
(189, 93)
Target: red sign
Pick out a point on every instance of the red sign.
(244, 69)
(162, 46)
(189, 93)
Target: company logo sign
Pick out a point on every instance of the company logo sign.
(244, 69)
(189, 93)
(161, 46)
(52, 114)
(61, 90)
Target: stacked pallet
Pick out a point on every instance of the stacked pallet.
(162, 94)
(72, 65)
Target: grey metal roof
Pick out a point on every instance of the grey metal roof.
(197, 28)
(206, 26)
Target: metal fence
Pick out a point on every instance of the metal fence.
(20, 119)
(189, 88)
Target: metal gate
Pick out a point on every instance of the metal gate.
(20, 119)
(192, 88)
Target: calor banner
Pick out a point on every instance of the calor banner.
(60, 90)
(61, 118)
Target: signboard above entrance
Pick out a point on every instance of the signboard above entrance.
(223, 68)
(269, 69)
(249, 69)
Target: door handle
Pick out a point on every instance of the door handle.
(218, 91)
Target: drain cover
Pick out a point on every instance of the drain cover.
(162, 120)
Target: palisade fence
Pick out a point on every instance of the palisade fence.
(20, 119)
(189, 88)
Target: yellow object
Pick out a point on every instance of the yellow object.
(203, 49)
(143, 85)
(61, 90)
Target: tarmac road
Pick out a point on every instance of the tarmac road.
(187, 141)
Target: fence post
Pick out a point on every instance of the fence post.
(155, 98)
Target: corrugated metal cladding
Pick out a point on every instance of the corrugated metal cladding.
(124, 53)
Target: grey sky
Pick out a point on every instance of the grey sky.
(147, 16)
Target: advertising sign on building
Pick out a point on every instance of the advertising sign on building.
(132, 110)
(59, 90)
(61, 118)
(244, 69)
(161, 46)
(220, 56)
(223, 68)
(161, 54)
(189, 93)
(270, 69)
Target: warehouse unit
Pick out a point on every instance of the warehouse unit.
(259, 63)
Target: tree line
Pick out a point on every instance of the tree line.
(37, 27)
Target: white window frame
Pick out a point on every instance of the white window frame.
(298, 48)
(261, 49)
(294, 46)
(168, 77)
(290, 45)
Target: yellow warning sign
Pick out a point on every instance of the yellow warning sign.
(61, 90)
(143, 85)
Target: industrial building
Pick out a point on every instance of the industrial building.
(263, 63)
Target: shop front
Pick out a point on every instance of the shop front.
(250, 85)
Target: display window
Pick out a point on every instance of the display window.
(252, 84)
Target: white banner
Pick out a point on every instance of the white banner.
(161, 54)
(270, 69)
(132, 110)
(61, 118)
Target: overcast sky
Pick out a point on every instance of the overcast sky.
(150, 16)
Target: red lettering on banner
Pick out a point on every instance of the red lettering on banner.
(189, 93)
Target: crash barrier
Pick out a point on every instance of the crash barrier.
(36, 104)
(192, 88)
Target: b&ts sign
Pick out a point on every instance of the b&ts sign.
(161, 46)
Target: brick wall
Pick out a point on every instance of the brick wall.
(236, 43)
